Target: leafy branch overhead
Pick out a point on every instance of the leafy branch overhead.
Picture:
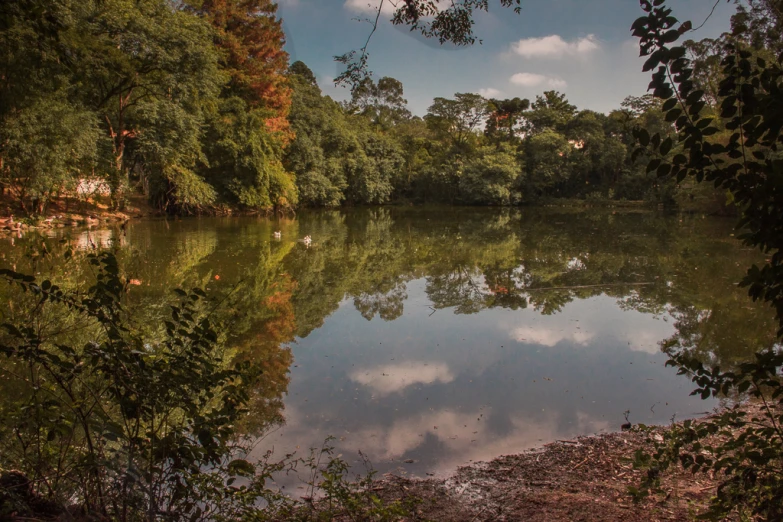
(735, 145)
(446, 21)
(730, 138)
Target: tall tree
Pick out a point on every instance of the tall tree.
(143, 64)
(550, 111)
(250, 38)
(383, 102)
(504, 118)
(458, 118)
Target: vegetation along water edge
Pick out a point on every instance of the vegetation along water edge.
(118, 404)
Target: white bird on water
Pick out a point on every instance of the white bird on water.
(278, 234)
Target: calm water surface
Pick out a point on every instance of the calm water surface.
(431, 338)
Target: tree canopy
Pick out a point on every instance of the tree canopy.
(154, 78)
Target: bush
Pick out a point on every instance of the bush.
(104, 420)
(745, 455)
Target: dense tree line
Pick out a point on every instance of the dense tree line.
(187, 100)
(466, 149)
(194, 104)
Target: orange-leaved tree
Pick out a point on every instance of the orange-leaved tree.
(251, 40)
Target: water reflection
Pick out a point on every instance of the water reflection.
(432, 338)
(446, 389)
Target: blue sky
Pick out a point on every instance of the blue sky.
(581, 47)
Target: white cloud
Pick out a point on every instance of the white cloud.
(554, 46)
(371, 6)
(534, 80)
(489, 92)
(391, 378)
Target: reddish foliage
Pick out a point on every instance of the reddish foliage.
(282, 327)
(251, 39)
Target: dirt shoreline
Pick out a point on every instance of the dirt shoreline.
(69, 212)
(584, 479)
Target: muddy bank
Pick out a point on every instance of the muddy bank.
(69, 212)
(585, 479)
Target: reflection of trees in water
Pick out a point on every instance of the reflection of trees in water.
(725, 335)
(459, 289)
(242, 270)
(469, 259)
(387, 304)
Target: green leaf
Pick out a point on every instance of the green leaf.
(669, 104)
(241, 467)
(643, 137)
(666, 146)
(673, 114)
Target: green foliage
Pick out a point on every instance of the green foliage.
(504, 120)
(547, 155)
(334, 495)
(124, 90)
(370, 150)
(745, 162)
(244, 159)
(38, 165)
(382, 103)
(106, 416)
(490, 178)
(458, 119)
(370, 172)
(115, 421)
(339, 157)
(550, 111)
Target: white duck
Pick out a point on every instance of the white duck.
(278, 234)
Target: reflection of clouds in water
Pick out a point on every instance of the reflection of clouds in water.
(608, 323)
(642, 340)
(391, 378)
(548, 337)
(462, 437)
(493, 383)
(406, 434)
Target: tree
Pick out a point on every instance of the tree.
(299, 68)
(550, 111)
(245, 159)
(382, 103)
(705, 55)
(598, 157)
(546, 157)
(46, 147)
(371, 171)
(149, 63)
(251, 41)
(490, 179)
(760, 24)
(323, 140)
(504, 118)
(46, 136)
(458, 118)
(337, 156)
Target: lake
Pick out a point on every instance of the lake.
(429, 338)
